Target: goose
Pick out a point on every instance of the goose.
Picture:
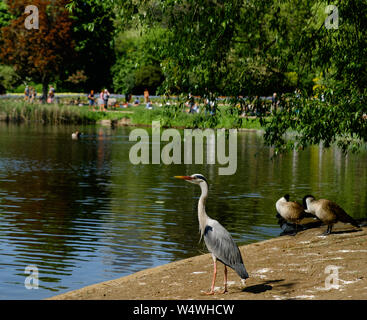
(328, 212)
(291, 211)
(289, 228)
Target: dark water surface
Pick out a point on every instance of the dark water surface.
(82, 213)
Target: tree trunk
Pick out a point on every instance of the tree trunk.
(44, 90)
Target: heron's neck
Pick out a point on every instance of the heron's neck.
(203, 217)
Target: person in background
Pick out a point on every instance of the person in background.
(274, 102)
(91, 99)
(26, 93)
(195, 108)
(51, 95)
(106, 96)
(100, 101)
(190, 103)
(137, 101)
(149, 105)
(146, 96)
(127, 98)
(33, 94)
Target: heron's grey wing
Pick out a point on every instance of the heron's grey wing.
(220, 243)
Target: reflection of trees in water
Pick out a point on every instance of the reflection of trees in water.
(57, 185)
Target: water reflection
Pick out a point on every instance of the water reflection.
(82, 213)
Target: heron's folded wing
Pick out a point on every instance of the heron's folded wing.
(220, 243)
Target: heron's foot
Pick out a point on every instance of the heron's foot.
(224, 291)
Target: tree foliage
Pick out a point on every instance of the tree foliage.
(334, 119)
(5, 15)
(38, 54)
(339, 113)
(8, 78)
(93, 35)
(138, 61)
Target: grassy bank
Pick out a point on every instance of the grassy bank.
(177, 118)
(16, 110)
(19, 111)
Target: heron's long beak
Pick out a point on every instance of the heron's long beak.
(184, 177)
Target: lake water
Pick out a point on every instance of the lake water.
(82, 213)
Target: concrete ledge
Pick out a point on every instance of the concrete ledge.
(288, 267)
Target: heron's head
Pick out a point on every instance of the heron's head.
(195, 178)
(306, 200)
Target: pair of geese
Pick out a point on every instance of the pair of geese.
(325, 210)
(223, 248)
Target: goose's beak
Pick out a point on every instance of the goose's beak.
(184, 177)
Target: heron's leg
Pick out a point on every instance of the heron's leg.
(225, 280)
(211, 292)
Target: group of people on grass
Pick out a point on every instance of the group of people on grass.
(102, 100)
(192, 106)
(30, 94)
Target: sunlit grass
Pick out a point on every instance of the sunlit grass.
(20, 111)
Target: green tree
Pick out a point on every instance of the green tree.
(8, 78)
(93, 35)
(339, 114)
(138, 61)
(5, 15)
(38, 54)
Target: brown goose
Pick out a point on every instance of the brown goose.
(328, 212)
(291, 211)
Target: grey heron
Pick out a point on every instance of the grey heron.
(217, 239)
(328, 212)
